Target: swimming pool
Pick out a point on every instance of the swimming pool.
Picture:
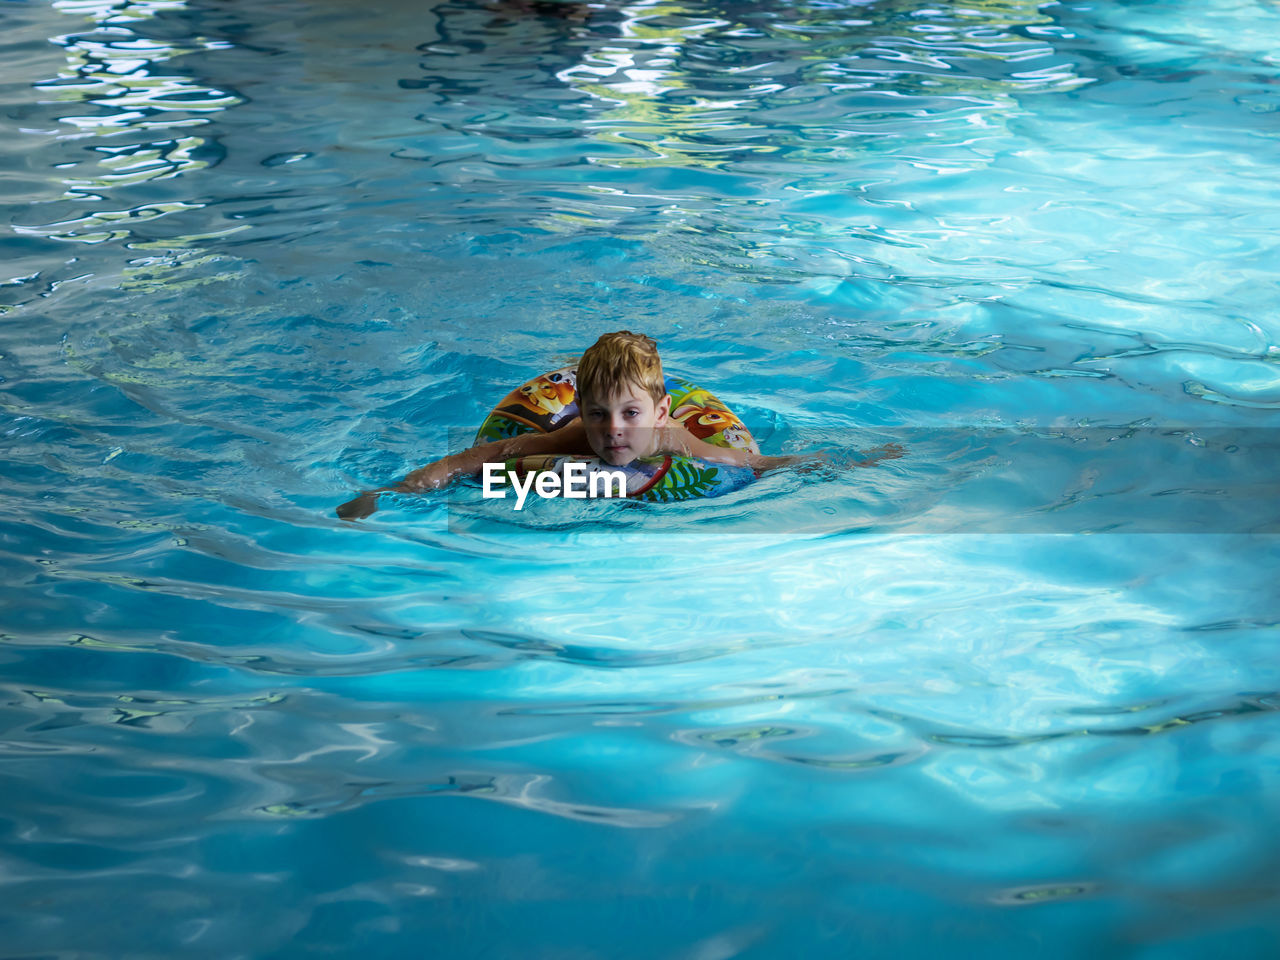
(1013, 695)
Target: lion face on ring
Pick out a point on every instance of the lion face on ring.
(550, 393)
(738, 437)
(705, 422)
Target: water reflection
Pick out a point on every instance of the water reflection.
(132, 92)
(714, 84)
(708, 84)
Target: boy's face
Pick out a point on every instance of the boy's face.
(622, 426)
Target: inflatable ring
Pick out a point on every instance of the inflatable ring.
(549, 402)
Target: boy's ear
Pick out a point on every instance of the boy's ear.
(664, 408)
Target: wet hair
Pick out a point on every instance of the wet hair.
(618, 360)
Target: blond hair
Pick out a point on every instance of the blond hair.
(621, 359)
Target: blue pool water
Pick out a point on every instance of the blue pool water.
(1010, 697)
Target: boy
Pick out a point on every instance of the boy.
(624, 415)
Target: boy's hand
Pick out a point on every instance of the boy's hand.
(830, 457)
(360, 507)
(431, 477)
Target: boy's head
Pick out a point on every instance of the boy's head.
(621, 359)
(622, 396)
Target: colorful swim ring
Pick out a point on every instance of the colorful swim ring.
(549, 402)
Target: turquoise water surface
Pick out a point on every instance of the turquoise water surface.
(1013, 695)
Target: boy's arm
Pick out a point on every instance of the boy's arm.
(571, 438)
(678, 441)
